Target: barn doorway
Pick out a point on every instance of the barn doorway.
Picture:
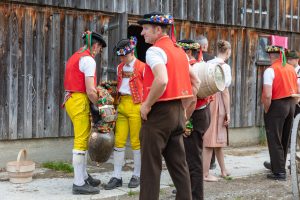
(141, 47)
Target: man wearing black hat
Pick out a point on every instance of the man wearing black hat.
(200, 121)
(293, 59)
(130, 86)
(166, 82)
(79, 83)
(280, 82)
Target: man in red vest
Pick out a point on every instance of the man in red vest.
(279, 83)
(166, 82)
(130, 88)
(200, 120)
(79, 83)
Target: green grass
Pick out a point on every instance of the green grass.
(58, 166)
(262, 136)
(132, 193)
(228, 178)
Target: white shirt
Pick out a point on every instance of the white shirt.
(297, 69)
(155, 56)
(125, 88)
(226, 69)
(269, 76)
(87, 65)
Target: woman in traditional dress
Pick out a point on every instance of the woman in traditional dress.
(216, 136)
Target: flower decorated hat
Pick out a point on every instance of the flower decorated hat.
(160, 19)
(125, 46)
(157, 18)
(278, 44)
(188, 44)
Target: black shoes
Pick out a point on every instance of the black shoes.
(267, 165)
(134, 182)
(113, 183)
(85, 189)
(92, 181)
(277, 176)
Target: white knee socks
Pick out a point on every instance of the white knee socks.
(85, 174)
(78, 165)
(137, 162)
(119, 155)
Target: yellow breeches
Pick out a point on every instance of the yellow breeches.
(78, 109)
(128, 121)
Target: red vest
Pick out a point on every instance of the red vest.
(74, 78)
(135, 81)
(179, 83)
(285, 81)
(200, 102)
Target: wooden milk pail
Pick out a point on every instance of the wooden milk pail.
(20, 171)
(212, 79)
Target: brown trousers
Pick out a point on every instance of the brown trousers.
(278, 124)
(161, 135)
(193, 150)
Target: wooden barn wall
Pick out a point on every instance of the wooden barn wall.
(280, 15)
(35, 43)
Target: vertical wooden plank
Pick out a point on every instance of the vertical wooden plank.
(133, 6)
(266, 18)
(28, 87)
(21, 74)
(52, 72)
(230, 12)
(282, 15)
(167, 6)
(207, 11)
(117, 29)
(259, 107)
(193, 10)
(273, 13)
(298, 15)
(13, 75)
(4, 71)
(219, 12)
(65, 126)
(144, 7)
(119, 6)
(40, 76)
(180, 9)
(238, 78)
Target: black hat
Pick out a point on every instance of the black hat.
(292, 54)
(95, 36)
(157, 18)
(125, 46)
(188, 44)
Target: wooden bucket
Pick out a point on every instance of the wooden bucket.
(20, 171)
(212, 79)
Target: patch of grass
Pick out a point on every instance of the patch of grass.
(238, 198)
(58, 166)
(132, 193)
(171, 185)
(228, 178)
(262, 136)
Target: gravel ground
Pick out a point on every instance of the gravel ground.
(255, 187)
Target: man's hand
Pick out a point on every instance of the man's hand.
(145, 109)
